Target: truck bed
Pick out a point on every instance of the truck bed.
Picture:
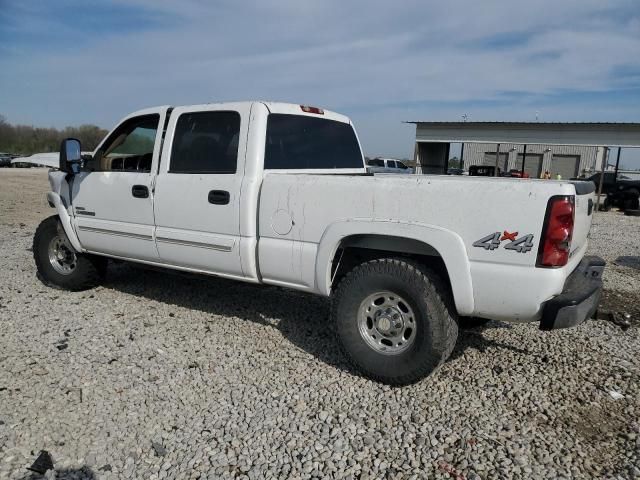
(301, 216)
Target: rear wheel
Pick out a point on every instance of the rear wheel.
(392, 320)
(59, 264)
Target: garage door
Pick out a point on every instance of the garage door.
(490, 159)
(565, 165)
(533, 165)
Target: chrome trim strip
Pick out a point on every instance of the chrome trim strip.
(111, 232)
(186, 243)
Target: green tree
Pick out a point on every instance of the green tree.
(27, 140)
(454, 163)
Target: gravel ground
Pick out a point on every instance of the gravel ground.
(158, 375)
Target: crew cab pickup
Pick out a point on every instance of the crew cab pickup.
(278, 194)
(387, 165)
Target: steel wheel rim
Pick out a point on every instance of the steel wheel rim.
(61, 256)
(386, 323)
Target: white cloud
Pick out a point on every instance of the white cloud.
(381, 62)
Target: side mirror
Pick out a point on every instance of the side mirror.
(70, 155)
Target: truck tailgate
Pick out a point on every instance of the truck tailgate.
(585, 205)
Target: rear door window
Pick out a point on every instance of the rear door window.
(206, 142)
(301, 142)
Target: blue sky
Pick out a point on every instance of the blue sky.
(380, 62)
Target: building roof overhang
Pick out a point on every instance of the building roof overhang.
(592, 134)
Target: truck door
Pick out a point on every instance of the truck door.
(197, 202)
(113, 197)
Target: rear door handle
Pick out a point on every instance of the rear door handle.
(219, 197)
(140, 191)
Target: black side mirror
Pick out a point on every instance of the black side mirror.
(70, 155)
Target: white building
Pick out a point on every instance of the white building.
(568, 161)
(566, 149)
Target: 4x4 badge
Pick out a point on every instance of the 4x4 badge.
(509, 236)
(493, 241)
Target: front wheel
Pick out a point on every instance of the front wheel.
(58, 264)
(393, 321)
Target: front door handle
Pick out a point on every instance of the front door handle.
(219, 197)
(140, 191)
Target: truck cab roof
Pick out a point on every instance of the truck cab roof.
(273, 107)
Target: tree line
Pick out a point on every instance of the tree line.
(26, 140)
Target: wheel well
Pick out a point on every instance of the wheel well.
(358, 249)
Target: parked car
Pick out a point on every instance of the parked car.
(24, 162)
(490, 170)
(277, 194)
(45, 159)
(387, 165)
(515, 173)
(621, 191)
(5, 160)
(455, 171)
(483, 171)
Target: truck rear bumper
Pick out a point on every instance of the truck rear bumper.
(579, 298)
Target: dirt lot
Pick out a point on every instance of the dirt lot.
(23, 197)
(157, 375)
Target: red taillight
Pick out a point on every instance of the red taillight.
(557, 232)
(316, 110)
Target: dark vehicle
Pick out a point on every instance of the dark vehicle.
(622, 192)
(484, 171)
(455, 171)
(5, 160)
(490, 171)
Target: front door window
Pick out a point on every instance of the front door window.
(129, 148)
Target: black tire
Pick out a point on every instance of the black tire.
(632, 213)
(467, 323)
(436, 327)
(605, 206)
(89, 270)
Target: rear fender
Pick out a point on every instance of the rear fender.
(56, 202)
(448, 244)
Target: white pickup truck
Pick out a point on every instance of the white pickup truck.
(387, 165)
(278, 194)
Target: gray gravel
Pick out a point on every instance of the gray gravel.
(616, 238)
(157, 375)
